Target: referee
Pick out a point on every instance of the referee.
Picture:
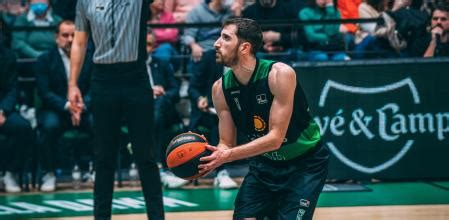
(120, 90)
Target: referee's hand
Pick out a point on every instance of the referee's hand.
(76, 100)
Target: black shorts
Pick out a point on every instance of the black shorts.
(283, 190)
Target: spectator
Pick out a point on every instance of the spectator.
(31, 44)
(12, 9)
(166, 93)
(52, 72)
(323, 39)
(277, 39)
(349, 10)
(180, 8)
(205, 71)
(14, 126)
(436, 42)
(373, 37)
(410, 23)
(166, 38)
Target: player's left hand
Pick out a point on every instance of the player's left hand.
(218, 157)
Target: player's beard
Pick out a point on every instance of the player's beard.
(230, 61)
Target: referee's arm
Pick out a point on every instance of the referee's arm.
(77, 54)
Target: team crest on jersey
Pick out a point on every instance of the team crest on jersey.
(259, 123)
(261, 99)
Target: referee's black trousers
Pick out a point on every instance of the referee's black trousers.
(122, 91)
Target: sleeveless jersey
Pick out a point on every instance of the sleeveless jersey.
(250, 107)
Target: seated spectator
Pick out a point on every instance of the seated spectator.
(180, 8)
(12, 9)
(12, 124)
(166, 93)
(277, 39)
(349, 10)
(410, 23)
(31, 44)
(325, 42)
(436, 42)
(372, 38)
(52, 71)
(166, 38)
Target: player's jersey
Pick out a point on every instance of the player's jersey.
(250, 107)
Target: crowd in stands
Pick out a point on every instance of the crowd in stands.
(408, 28)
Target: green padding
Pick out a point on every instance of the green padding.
(443, 184)
(387, 194)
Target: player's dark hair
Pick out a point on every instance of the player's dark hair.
(247, 31)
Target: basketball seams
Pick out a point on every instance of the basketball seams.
(188, 138)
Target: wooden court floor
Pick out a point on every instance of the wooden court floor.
(414, 212)
(389, 201)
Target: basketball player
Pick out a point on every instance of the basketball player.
(262, 100)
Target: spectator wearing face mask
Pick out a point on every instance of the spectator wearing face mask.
(31, 44)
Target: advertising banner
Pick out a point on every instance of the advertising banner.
(386, 120)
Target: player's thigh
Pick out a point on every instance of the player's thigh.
(301, 196)
(254, 199)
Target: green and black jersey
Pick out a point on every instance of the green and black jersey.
(250, 107)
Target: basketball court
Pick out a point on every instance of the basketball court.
(382, 200)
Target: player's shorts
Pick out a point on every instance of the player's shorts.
(283, 190)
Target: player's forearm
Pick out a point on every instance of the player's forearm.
(267, 143)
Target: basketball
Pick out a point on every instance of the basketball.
(183, 154)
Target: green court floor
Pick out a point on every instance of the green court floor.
(25, 206)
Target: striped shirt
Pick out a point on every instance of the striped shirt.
(116, 27)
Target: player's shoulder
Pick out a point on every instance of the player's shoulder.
(217, 86)
(282, 70)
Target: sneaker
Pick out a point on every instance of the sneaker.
(169, 180)
(48, 182)
(10, 182)
(223, 181)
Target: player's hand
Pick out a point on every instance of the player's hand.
(218, 157)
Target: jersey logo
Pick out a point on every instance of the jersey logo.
(259, 123)
(261, 99)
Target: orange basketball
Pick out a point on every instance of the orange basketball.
(183, 154)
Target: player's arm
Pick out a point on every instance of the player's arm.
(282, 82)
(226, 126)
